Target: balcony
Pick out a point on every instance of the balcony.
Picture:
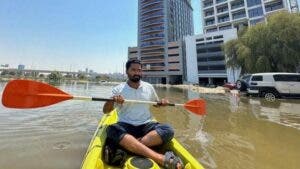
(153, 15)
(132, 56)
(173, 59)
(222, 11)
(152, 37)
(152, 30)
(211, 71)
(155, 8)
(238, 16)
(207, 4)
(274, 6)
(235, 6)
(209, 13)
(210, 54)
(208, 23)
(174, 66)
(151, 44)
(151, 54)
(220, 1)
(209, 45)
(145, 61)
(154, 68)
(151, 3)
(211, 63)
(150, 23)
(223, 19)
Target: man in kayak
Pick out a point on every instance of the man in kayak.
(135, 131)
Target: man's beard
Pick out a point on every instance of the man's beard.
(135, 78)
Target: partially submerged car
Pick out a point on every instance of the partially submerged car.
(274, 85)
(243, 82)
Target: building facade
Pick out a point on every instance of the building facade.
(205, 60)
(161, 26)
(174, 69)
(220, 15)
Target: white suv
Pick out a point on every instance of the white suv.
(274, 85)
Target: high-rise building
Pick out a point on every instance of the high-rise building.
(226, 14)
(160, 23)
(21, 67)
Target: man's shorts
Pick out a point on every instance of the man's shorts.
(117, 131)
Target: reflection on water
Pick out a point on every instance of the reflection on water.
(284, 112)
(236, 133)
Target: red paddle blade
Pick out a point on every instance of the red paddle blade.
(197, 106)
(31, 94)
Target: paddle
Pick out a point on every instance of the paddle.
(24, 94)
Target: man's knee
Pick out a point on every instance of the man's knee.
(115, 133)
(165, 131)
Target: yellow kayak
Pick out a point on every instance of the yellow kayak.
(94, 156)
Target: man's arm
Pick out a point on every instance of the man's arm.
(109, 105)
(162, 102)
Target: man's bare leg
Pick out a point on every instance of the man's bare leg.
(132, 144)
(151, 139)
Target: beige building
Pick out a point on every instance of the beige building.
(153, 64)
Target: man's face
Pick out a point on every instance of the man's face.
(134, 72)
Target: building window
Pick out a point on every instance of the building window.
(274, 6)
(199, 40)
(219, 1)
(209, 22)
(208, 13)
(225, 27)
(255, 21)
(206, 4)
(253, 2)
(237, 4)
(217, 67)
(223, 19)
(255, 12)
(218, 37)
(173, 47)
(211, 30)
(239, 15)
(222, 9)
(173, 55)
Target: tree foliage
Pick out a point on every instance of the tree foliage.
(55, 76)
(273, 46)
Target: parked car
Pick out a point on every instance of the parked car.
(274, 85)
(243, 82)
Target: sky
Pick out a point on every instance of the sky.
(70, 35)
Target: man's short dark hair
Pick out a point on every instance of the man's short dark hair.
(133, 61)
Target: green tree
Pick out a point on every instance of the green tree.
(81, 76)
(69, 76)
(268, 47)
(54, 76)
(231, 57)
(102, 77)
(12, 73)
(4, 72)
